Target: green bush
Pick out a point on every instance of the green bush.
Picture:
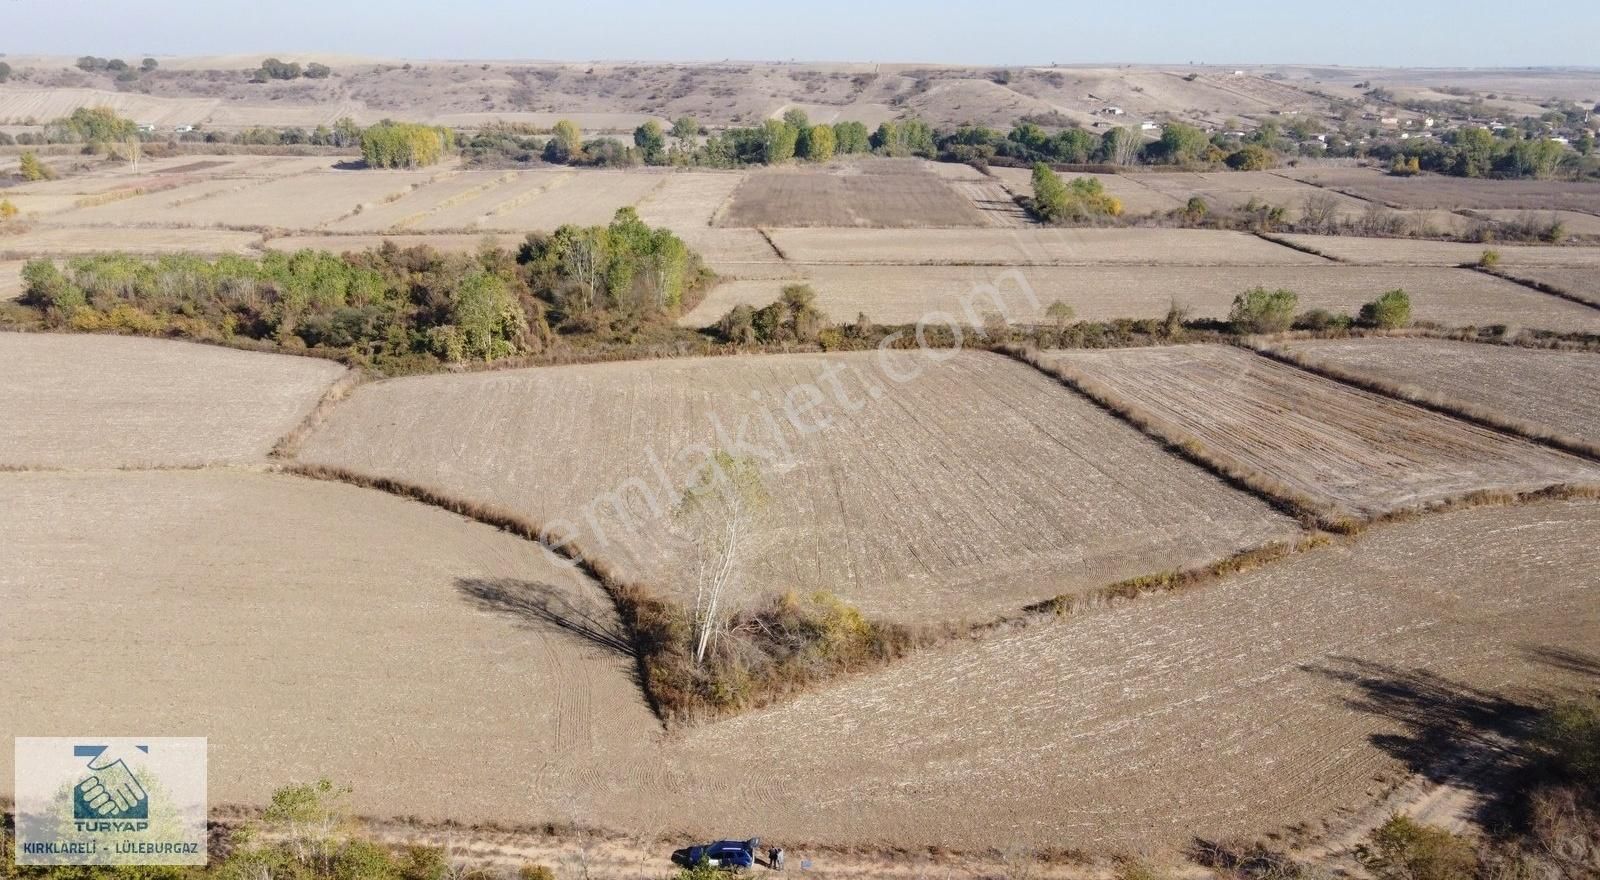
(405, 144)
(1390, 311)
(1263, 311)
(1404, 849)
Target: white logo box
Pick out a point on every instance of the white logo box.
(94, 800)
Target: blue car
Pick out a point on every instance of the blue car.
(722, 854)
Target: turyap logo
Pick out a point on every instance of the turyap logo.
(110, 791)
(109, 800)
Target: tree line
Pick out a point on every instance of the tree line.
(395, 309)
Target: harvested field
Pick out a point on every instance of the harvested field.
(113, 401)
(690, 201)
(1548, 392)
(407, 206)
(1036, 246)
(968, 491)
(163, 206)
(1352, 453)
(59, 241)
(494, 195)
(1400, 251)
(906, 294)
(1232, 190)
(287, 619)
(587, 198)
(1456, 193)
(1285, 695)
(301, 201)
(883, 193)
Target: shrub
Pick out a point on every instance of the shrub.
(1321, 320)
(1404, 849)
(1263, 311)
(1059, 313)
(535, 872)
(1083, 198)
(405, 144)
(7, 210)
(1489, 259)
(32, 169)
(1252, 157)
(1389, 311)
(1569, 736)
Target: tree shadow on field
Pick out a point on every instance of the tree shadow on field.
(351, 165)
(538, 605)
(1451, 733)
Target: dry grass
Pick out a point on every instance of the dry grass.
(876, 193)
(888, 506)
(1550, 397)
(103, 401)
(1335, 454)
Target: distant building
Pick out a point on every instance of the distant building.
(1147, 125)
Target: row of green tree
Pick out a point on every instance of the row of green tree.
(686, 143)
(1477, 152)
(393, 308)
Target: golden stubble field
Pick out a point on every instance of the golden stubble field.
(111, 401)
(964, 492)
(1357, 452)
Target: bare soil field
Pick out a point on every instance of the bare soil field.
(1038, 246)
(112, 401)
(1359, 453)
(1296, 693)
(288, 619)
(1455, 193)
(61, 241)
(882, 193)
(969, 490)
(1553, 391)
(906, 294)
(1581, 284)
(690, 200)
(1400, 251)
(988, 193)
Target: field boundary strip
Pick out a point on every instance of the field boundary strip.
(1442, 404)
(288, 446)
(1302, 248)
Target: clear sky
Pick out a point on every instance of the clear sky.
(1413, 33)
